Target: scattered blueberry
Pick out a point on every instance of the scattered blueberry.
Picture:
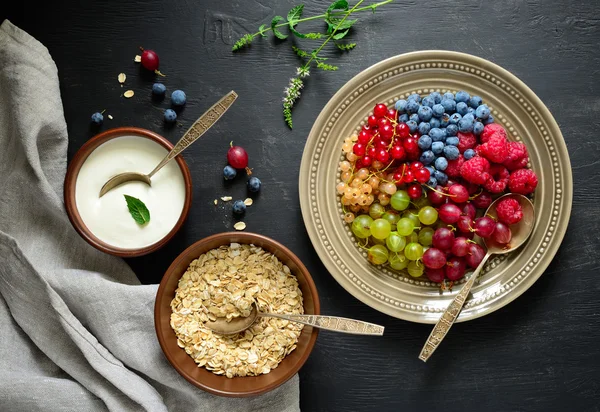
(415, 118)
(471, 111)
(448, 95)
(462, 96)
(441, 163)
(438, 110)
(445, 119)
(414, 97)
(475, 102)
(489, 120)
(254, 184)
(451, 130)
(482, 112)
(425, 113)
(412, 106)
(462, 108)
(178, 98)
(452, 141)
(451, 152)
(465, 126)
(431, 170)
(97, 118)
(412, 126)
(170, 116)
(229, 172)
(159, 89)
(428, 101)
(449, 105)
(478, 128)
(440, 177)
(424, 128)
(455, 118)
(239, 207)
(437, 98)
(437, 134)
(437, 147)
(469, 153)
(403, 118)
(427, 157)
(469, 117)
(432, 182)
(434, 122)
(424, 142)
(401, 106)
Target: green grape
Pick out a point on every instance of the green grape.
(426, 236)
(361, 226)
(395, 242)
(391, 216)
(413, 215)
(398, 261)
(415, 268)
(376, 210)
(378, 254)
(380, 229)
(428, 215)
(421, 202)
(405, 226)
(413, 251)
(412, 238)
(400, 200)
(376, 241)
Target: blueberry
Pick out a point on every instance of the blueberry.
(178, 98)
(452, 141)
(424, 127)
(469, 153)
(428, 101)
(415, 118)
(424, 142)
(449, 105)
(403, 118)
(415, 97)
(97, 118)
(401, 106)
(425, 113)
(239, 207)
(254, 184)
(437, 147)
(229, 172)
(440, 177)
(478, 128)
(412, 126)
(475, 101)
(455, 118)
(170, 116)
(469, 117)
(438, 110)
(437, 134)
(448, 95)
(482, 112)
(489, 120)
(434, 122)
(437, 98)
(471, 111)
(451, 152)
(432, 182)
(431, 170)
(412, 106)
(444, 120)
(462, 96)
(462, 108)
(465, 126)
(441, 163)
(451, 130)
(427, 157)
(159, 89)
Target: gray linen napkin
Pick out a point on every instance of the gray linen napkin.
(76, 327)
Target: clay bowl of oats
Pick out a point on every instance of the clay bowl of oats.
(222, 276)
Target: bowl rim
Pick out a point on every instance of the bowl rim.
(71, 179)
(247, 238)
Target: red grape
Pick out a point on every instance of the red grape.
(464, 224)
(470, 210)
(475, 255)
(460, 247)
(435, 196)
(414, 191)
(443, 238)
(483, 200)
(458, 193)
(237, 157)
(150, 61)
(435, 275)
(434, 258)
(484, 226)
(449, 213)
(502, 233)
(455, 268)
(380, 110)
(402, 130)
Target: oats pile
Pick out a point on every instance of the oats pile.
(223, 283)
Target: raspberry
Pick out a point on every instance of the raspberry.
(523, 181)
(517, 156)
(453, 169)
(495, 149)
(498, 180)
(466, 141)
(475, 170)
(491, 129)
(509, 211)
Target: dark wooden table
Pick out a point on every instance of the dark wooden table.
(540, 353)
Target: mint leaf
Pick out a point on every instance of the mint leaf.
(261, 30)
(340, 34)
(138, 210)
(296, 32)
(336, 5)
(295, 14)
(345, 47)
(276, 32)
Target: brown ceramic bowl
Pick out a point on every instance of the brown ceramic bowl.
(199, 376)
(71, 179)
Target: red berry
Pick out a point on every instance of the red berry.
(422, 175)
(509, 211)
(464, 224)
(449, 213)
(484, 226)
(237, 157)
(398, 177)
(458, 193)
(475, 255)
(409, 176)
(495, 149)
(517, 156)
(443, 238)
(359, 149)
(364, 137)
(454, 166)
(466, 141)
(414, 166)
(380, 110)
(502, 233)
(382, 122)
(382, 155)
(482, 200)
(398, 152)
(523, 181)
(436, 197)
(411, 145)
(386, 131)
(372, 152)
(434, 258)
(414, 191)
(402, 130)
(475, 170)
(492, 129)
(470, 210)
(460, 247)
(498, 180)
(392, 114)
(455, 268)
(435, 275)
(372, 121)
(150, 60)
(367, 160)
(381, 144)
(359, 164)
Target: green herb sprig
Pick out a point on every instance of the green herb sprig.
(338, 27)
(138, 210)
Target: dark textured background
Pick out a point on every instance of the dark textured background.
(542, 352)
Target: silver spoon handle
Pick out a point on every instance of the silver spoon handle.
(205, 122)
(333, 323)
(446, 321)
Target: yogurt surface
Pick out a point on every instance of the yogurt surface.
(108, 217)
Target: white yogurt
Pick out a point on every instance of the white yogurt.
(107, 217)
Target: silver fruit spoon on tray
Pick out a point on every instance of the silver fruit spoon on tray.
(200, 127)
(520, 233)
(332, 323)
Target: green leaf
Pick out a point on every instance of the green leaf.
(313, 35)
(276, 32)
(295, 14)
(138, 210)
(346, 24)
(345, 47)
(261, 30)
(296, 32)
(336, 5)
(299, 52)
(244, 41)
(340, 34)
(326, 67)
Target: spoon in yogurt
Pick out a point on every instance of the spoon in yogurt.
(333, 323)
(201, 126)
(520, 233)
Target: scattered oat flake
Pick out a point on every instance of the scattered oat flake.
(248, 202)
(110, 116)
(122, 77)
(137, 58)
(226, 198)
(240, 226)
(216, 201)
(128, 94)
